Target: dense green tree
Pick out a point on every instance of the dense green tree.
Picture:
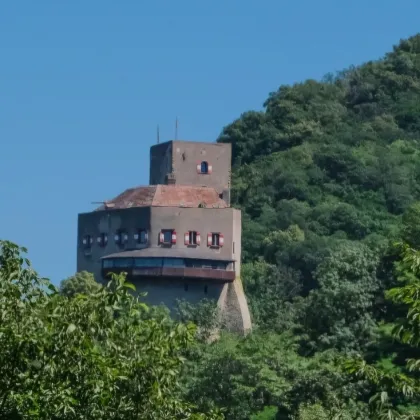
(244, 376)
(271, 290)
(82, 282)
(339, 313)
(90, 357)
(396, 390)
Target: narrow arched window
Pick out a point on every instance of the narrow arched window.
(204, 167)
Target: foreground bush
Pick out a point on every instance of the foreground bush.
(92, 356)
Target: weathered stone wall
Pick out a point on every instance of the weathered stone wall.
(234, 307)
(160, 163)
(108, 222)
(186, 156)
(181, 158)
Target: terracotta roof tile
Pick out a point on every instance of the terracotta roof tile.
(167, 196)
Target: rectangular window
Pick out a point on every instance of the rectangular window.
(108, 263)
(141, 236)
(148, 262)
(209, 264)
(166, 236)
(102, 239)
(193, 237)
(123, 262)
(215, 239)
(87, 241)
(121, 237)
(173, 262)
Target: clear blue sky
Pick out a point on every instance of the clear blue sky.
(84, 83)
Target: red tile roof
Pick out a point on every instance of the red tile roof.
(166, 196)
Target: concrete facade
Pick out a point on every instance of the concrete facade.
(154, 210)
(154, 220)
(176, 162)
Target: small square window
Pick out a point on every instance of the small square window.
(167, 236)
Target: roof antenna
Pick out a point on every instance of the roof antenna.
(176, 128)
(157, 134)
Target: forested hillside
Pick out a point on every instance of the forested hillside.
(327, 177)
(323, 176)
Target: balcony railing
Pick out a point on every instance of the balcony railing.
(174, 272)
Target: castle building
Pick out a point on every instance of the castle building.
(177, 238)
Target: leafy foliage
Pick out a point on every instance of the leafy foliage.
(400, 386)
(88, 357)
(245, 375)
(81, 283)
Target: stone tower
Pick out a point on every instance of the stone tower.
(177, 238)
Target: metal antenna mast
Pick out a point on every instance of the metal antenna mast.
(176, 128)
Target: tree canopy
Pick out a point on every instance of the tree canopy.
(87, 357)
(81, 283)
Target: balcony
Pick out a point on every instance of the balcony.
(222, 276)
(181, 268)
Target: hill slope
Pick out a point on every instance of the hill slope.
(333, 160)
(326, 177)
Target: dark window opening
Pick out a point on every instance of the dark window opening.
(197, 263)
(215, 239)
(205, 290)
(123, 262)
(107, 263)
(193, 237)
(121, 238)
(141, 236)
(204, 167)
(87, 241)
(148, 262)
(166, 236)
(152, 262)
(102, 239)
(173, 262)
